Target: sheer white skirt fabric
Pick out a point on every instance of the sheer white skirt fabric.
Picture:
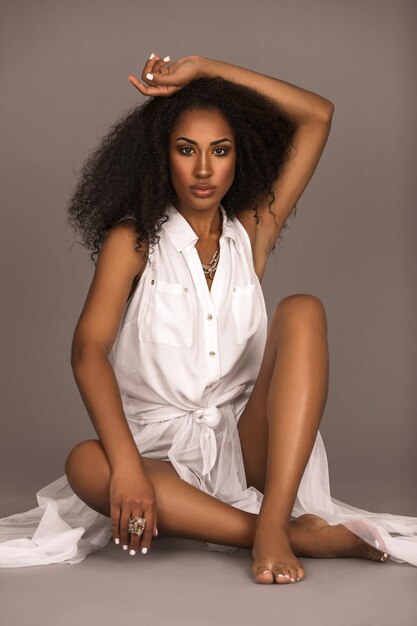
(63, 529)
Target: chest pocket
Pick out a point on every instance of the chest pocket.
(168, 315)
(246, 311)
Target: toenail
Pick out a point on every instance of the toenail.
(266, 571)
(287, 576)
(280, 576)
(385, 555)
(292, 579)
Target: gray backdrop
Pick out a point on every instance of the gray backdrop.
(352, 243)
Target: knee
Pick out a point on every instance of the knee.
(302, 308)
(79, 456)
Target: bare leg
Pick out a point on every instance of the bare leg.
(185, 511)
(279, 425)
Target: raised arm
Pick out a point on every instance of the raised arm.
(311, 115)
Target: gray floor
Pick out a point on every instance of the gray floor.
(180, 582)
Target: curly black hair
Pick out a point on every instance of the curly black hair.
(128, 174)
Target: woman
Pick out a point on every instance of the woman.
(207, 421)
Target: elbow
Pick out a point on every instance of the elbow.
(83, 351)
(327, 111)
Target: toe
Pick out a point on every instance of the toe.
(263, 575)
(300, 574)
(293, 574)
(281, 574)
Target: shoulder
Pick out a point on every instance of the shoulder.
(119, 245)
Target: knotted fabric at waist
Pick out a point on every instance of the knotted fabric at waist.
(209, 418)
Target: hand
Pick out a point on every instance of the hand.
(167, 79)
(132, 494)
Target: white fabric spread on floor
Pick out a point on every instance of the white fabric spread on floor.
(63, 529)
(186, 359)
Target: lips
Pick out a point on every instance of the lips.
(202, 187)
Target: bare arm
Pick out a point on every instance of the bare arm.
(311, 115)
(117, 264)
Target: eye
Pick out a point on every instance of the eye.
(184, 148)
(225, 150)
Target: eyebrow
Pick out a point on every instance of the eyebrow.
(212, 143)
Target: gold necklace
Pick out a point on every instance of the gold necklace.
(212, 266)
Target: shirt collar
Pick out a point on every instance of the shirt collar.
(181, 233)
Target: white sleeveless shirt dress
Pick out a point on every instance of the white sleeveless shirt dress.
(186, 360)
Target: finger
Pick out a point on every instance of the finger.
(148, 90)
(160, 64)
(136, 83)
(148, 532)
(135, 539)
(158, 78)
(115, 521)
(124, 522)
(150, 67)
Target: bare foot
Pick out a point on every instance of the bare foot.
(273, 558)
(310, 536)
(316, 538)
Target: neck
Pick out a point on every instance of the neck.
(206, 223)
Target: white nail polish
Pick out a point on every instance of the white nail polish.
(125, 547)
(149, 76)
(152, 56)
(292, 579)
(117, 541)
(385, 555)
(280, 575)
(144, 550)
(376, 544)
(132, 552)
(167, 58)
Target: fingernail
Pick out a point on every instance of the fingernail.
(125, 547)
(149, 76)
(132, 552)
(152, 56)
(117, 541)
(167, 58)
(144, 550)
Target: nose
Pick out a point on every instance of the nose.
(203, 166)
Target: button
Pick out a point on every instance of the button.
(209, 316)
(212, 353)
(186, 289)
(152, 282)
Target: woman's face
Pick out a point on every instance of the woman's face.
(202, 151)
